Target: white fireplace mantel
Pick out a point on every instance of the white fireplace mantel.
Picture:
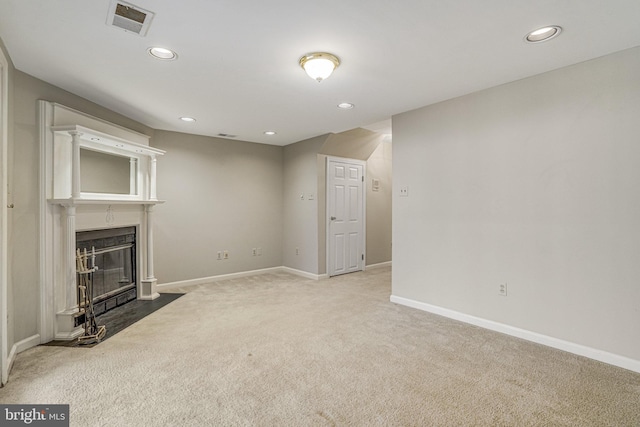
(66, 179)
(66, 208)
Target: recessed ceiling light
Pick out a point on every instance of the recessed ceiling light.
(269, 132)
(162, 53)
(543, 34)
(346, 105)
(187, 119)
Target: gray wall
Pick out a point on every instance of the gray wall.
(301, 213)
(104, 173)
(379, 166)
(220, 195)
(533, 184)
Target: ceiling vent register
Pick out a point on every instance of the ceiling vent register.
(129, 17)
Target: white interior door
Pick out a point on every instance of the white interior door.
(345, 215)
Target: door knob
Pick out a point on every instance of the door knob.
(333, 218)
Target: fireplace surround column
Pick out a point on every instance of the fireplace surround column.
(148, 288)
(75, 163)
(70, 261)
(152, 180)
(65, 319)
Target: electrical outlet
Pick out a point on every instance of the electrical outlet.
(219, 255)
(404, 191)
(225, 255)
(254, 251)
(502, 290)
(297, 251)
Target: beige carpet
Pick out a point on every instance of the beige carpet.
(278, 350)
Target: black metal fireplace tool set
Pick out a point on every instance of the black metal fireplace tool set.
(92, 332)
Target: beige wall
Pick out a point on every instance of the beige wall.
(220, 195)
(533, 184)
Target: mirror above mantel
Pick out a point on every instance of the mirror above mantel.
(92, 165)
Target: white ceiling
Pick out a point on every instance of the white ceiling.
(238, 72)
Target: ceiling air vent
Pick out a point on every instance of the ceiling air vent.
(129, 17)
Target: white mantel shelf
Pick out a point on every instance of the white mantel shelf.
(79, 202)
(107, 143)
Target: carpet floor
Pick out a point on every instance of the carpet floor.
(278, 350)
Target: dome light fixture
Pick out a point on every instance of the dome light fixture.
(162, 53)
(543, 34)
(188, 119)
(269, 132)
(345, 106)
(319, 65)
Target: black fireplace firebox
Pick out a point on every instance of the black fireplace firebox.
(114, 282)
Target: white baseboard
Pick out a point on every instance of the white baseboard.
(203, 280)
(21, 346)
(301, 273)
(379, 265)
(580, 350)
(304, 273)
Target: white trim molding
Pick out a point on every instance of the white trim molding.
(379, 265)
(304, 274)
(21, 346)
(204, 280)
(210, 279)
(580, 350)
(4, 228)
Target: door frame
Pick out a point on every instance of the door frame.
(4, 228)
(327, 215)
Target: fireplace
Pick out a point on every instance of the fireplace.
(77, 213)
(114, 282)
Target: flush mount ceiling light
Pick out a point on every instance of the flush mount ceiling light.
(162, 53)
(345, 105)
(188, 119)
(269, 132)
(543, 34)
(319, 65)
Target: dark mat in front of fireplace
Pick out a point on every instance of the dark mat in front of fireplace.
(122, 317)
